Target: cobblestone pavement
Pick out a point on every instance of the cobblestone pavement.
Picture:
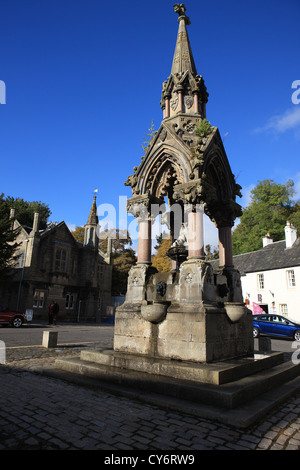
(39, 413)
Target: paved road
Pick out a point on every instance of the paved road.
(76, 333)
(32, 334)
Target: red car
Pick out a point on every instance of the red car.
(10, 317)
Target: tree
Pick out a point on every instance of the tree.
(161, 261)
(120, 239)
(122, 262)
(8, 243)
(122, 255)
(209, 255)
(78, 234)
(24, 211)
(295, 216)
(270, 207)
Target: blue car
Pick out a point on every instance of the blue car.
(275, 325)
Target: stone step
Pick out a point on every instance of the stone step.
(225, 396)
(214, 373)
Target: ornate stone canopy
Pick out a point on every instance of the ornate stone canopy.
(184, 173)
(185, 161)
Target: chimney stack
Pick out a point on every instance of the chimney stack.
(290, 234)
(36, 220)
(267, 240)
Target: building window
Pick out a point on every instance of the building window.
(291, 278)
(70, 301)
(60, 260)
(38, 299)
(261, 281)
(73, 266)
(283, 309)
(21, 260)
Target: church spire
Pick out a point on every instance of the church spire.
(91, 227)
(184, 92)
(93, 216)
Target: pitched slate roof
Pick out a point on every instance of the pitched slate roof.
(273, 256)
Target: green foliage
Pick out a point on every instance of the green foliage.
(122, 262)
(271, 206)
(209, 255)
(203, 128)
(148, 137)
(24, 211)
(8, 243)
(295, 217)
(122, 255)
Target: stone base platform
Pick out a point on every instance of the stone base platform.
(216, 373)
(235, 392)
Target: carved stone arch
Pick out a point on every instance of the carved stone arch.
(218, 175)
(167, 176)
(166, 167)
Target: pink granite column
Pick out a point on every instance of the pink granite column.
(195, 234)
(196, 105)
(225, 247)
(144, 241)
(167, 108)
(180, 102)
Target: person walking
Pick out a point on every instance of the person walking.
(55, 310)
(50, 314)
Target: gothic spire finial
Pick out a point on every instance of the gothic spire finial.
(183, 57)
(180, 9)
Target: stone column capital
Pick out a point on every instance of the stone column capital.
(140, 205)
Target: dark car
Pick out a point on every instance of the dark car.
(275, 325)
(11, 317)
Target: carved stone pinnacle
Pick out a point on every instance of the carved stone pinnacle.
(180, 9)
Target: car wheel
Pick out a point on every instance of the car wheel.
(17, 322)
(297, 335)
(255, 332)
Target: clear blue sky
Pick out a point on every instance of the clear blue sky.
(83, 83)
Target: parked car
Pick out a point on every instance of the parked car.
(275, 325)
(11, 317)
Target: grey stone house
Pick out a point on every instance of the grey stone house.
(52, 265)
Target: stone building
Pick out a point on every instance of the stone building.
(52, 265)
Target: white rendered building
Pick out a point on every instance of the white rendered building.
(271, 276)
